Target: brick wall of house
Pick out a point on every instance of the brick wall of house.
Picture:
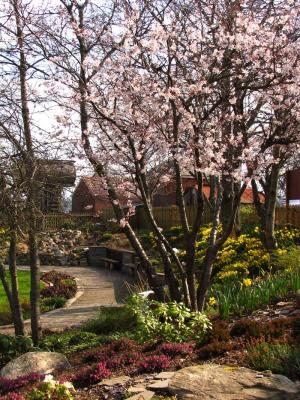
(82, 198)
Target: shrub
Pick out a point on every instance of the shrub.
(154, 363)
(219, 332)
(13, 396)
(175, 349)
(279, 358)
(8, 385)
(11, 347)
(70, 341)
(52, 303)
(91, 375)
(214, 349)
(170, 322)
(247, 327)
(63, 285)
(112, 319)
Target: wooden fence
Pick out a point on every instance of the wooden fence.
(288, 215)
(166, 217)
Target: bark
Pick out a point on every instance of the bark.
(31, 184)
(266, 211)
(214, 245)
(269, 223)
(16, 309)
(6, 285)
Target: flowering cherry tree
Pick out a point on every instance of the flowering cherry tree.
(163, 88)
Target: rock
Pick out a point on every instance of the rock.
(118, 380)
(159, 385)
(164, 375)
(285, 304)
(40, 362)
(219, 382)
(298, 299)
(136, 389)
(147, 395)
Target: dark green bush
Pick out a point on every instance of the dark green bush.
(112, 319)
(52, 303)
(11, 347)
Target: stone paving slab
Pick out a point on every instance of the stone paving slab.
(100, 288)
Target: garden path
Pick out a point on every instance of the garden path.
(97, 288)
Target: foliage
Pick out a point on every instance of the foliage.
(175, 349)
(13, 346)
(90, 375)
(111, 319)
(12, 396)
(71, 341)
(279, 358)
(214, 349)
(154, 363)
(50, 389)
(8, 385)
(171, 322)
(62, 285)
(238, 299)
(52, 303)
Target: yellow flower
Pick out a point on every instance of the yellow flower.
(212, 301)
(247, 282)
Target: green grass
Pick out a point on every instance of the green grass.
(24, 289)
(24, 295)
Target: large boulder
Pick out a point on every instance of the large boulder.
(219, 382)
(39, 362)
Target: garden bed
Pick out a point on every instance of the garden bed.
(56, 289)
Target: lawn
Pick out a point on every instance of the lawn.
(24, 289)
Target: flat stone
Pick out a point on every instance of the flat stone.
(285, 304)
(165, 375)
(159, 385)
(118, 380)
(136, 389)
(42, 362)
(220, 382)
(146, 395)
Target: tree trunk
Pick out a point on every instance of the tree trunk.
(35, 287)
(30, 166)
(16, 310)
(269, 223)
(6, 285)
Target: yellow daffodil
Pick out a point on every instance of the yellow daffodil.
(247, 282)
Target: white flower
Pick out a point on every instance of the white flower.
(68, 385)
(49, 378)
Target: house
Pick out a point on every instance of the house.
(166, 195)
(90, 196)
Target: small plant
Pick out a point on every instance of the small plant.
(155, 363)
(112, 319)
(51, 389)
(11, 347)
(8, 385)
(52, 303)
(175, 349)
(13, 396)
(214, 349)
(91, 375)
(170, 322)
(279, 358)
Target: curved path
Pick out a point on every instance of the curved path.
(97, 288)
